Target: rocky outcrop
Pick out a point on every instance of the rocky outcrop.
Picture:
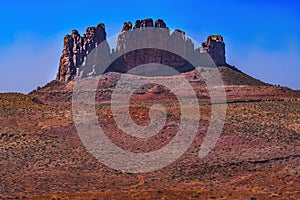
(176, 40)
(215, 46)
(160, 23)
(127, 26)
(77, 47)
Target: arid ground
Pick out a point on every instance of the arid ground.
(256, 157)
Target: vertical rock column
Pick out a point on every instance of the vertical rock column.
(215, 47)
(77, 47)
(66, 65)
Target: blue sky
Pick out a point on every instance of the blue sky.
(262, 37)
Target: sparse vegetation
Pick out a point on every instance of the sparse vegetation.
(257, 155)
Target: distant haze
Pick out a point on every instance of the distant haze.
(262, 37)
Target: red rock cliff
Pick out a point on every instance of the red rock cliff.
(77, 47)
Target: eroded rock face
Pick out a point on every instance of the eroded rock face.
(143, 23)
(66, 65)
(160, 23)
(215, 46)
(128, 40)
(127, 26)
(77, 47)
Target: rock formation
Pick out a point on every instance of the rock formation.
(77, 47)
(160, 23)
(215, 46)
(127, 40)
(127, 26)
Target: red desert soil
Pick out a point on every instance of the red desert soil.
(256, 157)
